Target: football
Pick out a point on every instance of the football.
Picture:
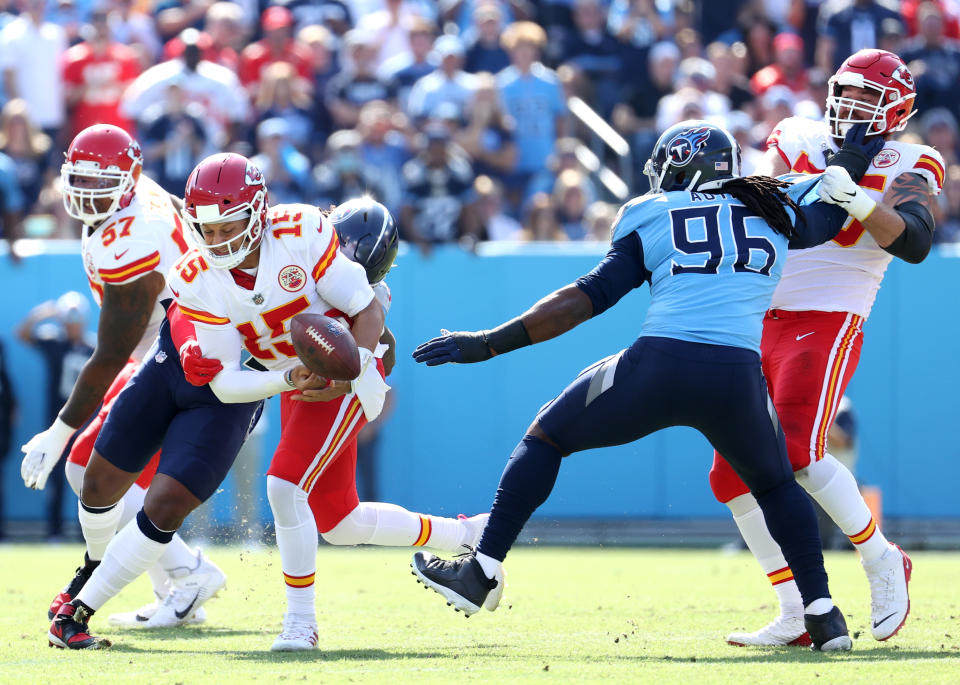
(325, 346)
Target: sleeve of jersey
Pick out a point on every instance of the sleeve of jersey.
(776, 141)
(198, 311)
(340, 281)
(382, 292)
(126, 261)
(621, 270)
(635, 214)
(930, 166)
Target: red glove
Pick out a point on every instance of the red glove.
(197, 369)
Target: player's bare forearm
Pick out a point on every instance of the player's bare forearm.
(557, 313)
(368, 325)
(884, 223)
(123, 320)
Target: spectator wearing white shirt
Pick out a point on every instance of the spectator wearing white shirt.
(391, 28)
(216, 89)
(30, 58)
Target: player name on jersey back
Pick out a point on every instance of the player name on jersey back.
(845, 273)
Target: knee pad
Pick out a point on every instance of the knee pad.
(74, 474)
(352, 529)
(819, 473)
(287, 502)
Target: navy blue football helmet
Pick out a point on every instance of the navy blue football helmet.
(368, 235)
(690, 154)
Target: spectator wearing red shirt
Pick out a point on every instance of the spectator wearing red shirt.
(787, 69)
(96, 72)
(951, 20)
(277, 45)
(223, 24)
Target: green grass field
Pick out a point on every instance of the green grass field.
(568, 615)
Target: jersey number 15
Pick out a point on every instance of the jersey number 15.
(711, 246)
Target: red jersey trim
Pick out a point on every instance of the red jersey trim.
(136, 268)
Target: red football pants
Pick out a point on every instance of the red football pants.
(318, 452)
(808, 358)
(83, 446)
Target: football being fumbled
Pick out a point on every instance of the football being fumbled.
(325, 346)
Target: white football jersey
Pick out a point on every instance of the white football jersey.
(844, 274)
(301, 270)
(144, 236)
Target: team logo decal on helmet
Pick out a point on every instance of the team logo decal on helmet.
(292, 278)
(253, 177)
(686, 144)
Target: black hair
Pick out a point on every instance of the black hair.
(763, 196)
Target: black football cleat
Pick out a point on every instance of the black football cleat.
(828, 631)
(461, 582)
(73, 587)
(69, 628)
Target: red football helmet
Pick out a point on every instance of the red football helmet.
(103, 163)
(877, 70)
(227, 187)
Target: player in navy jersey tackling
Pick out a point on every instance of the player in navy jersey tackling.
(712, 246)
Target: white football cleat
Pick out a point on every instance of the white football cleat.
(299, 634)
(782, 631)
(474, 526)
(889, 578)
(141, 617)
(189, 589)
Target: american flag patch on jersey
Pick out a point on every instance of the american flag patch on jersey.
(720, 166)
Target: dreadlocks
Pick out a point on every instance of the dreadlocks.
(763, 196)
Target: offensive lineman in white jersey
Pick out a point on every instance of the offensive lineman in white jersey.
(813, 331)
(132, 234)
(257, 268)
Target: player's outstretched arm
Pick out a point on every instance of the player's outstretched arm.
(554, 315)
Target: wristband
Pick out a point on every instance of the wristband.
(509, 336)
(60, 430)
(288, 378)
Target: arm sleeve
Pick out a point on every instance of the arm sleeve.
(913, 245)
(621, 271)
(234, 383)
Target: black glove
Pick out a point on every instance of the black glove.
(459, 347)
(857, 151)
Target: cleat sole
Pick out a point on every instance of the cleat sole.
(453, 599)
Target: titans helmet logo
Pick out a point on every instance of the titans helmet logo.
(683, 146)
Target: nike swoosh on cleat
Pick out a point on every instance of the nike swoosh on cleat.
(801, 337)
(877, 623)
(186, 612)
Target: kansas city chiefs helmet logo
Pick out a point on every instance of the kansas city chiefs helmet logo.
(683, 146)
(903, 76)
(253, 175)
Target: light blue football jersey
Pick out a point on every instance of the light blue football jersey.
(713, 264)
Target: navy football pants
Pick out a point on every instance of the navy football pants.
(655, 384)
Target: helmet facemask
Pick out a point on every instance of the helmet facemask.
(879, 115)
(229, 253)
(79, 201)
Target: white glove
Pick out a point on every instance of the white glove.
(837, 188)
(43, 452)
(369, 386)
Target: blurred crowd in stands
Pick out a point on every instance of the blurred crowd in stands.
(470, 119)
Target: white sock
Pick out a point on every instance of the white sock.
(98, 528)
(379, 523)
(297, 540)
(835, 489)
(489, 565)
(753, 527)
(128, 555)
(178, 555)
(819, 607)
